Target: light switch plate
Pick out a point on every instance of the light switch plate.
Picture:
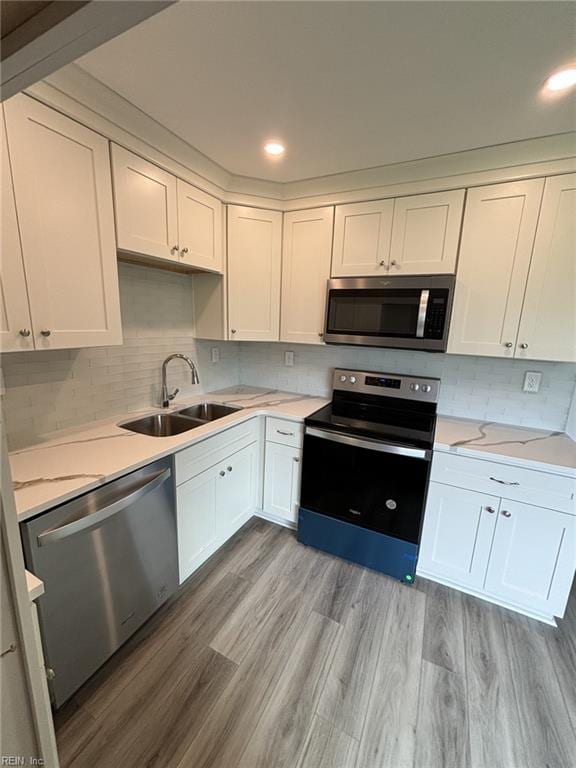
(532, 381)
(215, 355)
(289, 359)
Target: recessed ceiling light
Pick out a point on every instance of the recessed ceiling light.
(562, 79)
(274, 148)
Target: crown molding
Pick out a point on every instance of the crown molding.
(77, 94)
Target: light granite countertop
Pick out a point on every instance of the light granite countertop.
(75, 461)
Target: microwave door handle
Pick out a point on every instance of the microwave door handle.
(94, 519)
(422, 310)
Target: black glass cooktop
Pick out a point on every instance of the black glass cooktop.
(389, 419)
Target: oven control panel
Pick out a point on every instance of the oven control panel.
(422, 388)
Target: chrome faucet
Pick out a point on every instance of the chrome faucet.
(166, 397)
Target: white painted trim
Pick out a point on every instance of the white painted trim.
(547, 619)
(275, 519)
(84, 98)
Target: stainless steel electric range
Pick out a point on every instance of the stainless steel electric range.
(365, 470)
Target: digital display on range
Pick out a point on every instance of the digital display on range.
(381, 381)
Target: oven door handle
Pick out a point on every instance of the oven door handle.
(371, 445)
(95, 518)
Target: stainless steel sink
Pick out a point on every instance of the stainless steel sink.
(208, 411)
(162, 424)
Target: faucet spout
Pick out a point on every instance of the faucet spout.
(166, 396)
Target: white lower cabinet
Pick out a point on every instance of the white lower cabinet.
(213, 504)
(282, 482)
(508, 551)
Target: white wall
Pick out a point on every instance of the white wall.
(472, 387)
(47, 391)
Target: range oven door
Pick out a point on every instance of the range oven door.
(371, 484)
(404, 312)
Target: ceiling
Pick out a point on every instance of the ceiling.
(346, 85)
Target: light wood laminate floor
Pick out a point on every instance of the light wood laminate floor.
(275, 655)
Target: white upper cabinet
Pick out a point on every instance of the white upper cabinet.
(146, 206)
(199, 228)
(15, 323)
(362, 234)
(548, 324)
(63, 193)
(254, 262)
(425, 233)
(497, 238)
(305, 272)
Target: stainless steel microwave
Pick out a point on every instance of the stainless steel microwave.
(403, 312)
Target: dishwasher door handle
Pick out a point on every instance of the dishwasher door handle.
(94, 519)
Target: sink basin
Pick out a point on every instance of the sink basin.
(207, 411)
(162, 424)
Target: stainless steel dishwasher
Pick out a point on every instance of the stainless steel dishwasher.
(108, 560)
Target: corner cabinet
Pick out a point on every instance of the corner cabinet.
(516, 283)
(165, 218)
(254, 267)
(415, 235)
(305, 271)
(499, 545)
(63, 199)
(282, 469)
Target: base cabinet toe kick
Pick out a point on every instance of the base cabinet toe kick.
(501, 532)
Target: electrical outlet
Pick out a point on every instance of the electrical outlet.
(532, 381)
(215, 355)
(289, 359)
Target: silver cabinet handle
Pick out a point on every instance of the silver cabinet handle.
(504, 482)
(491, 510)
(174, 249)
(46, 332)
(11, 649)
(222, 473)
(508, 345)
(233, 330)
(505, 513)
(24, 332)
(229, 469)
(288, 434)
(524, 345)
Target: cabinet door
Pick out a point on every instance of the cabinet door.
(457, 534)
(15, 323)
(145, 206)
(254, 258)
(237, 490)
(63, 192)
(497, 239)
(425, 233)
(199, 228)
(196, 502)
(362, 233)
(282, 481)
(533, 557)
(305, 271)
(548, 324)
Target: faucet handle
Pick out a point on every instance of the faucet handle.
(173, 395)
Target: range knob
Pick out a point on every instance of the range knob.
(352, 379)
(426, 387)
(414, 387)
(343, 378)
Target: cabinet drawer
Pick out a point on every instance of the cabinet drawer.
(199, 457)
(284, 432)
(505, 480)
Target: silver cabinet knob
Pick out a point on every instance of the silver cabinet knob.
(393, 263)
(296, 459)
(524, 346)
(506, 513)
(491, 510)
(321, 334)
(508, 344)
(229, 469)
(222, 473)
(24, 332)
(382, 263)
(183, 252)
(46, 332)
(174, 249)
(233, 330)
